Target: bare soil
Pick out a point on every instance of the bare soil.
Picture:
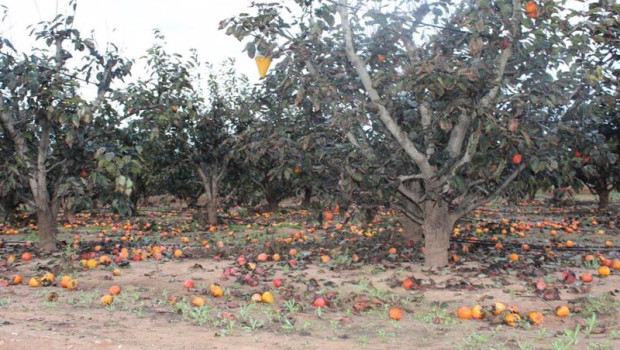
(153, 311)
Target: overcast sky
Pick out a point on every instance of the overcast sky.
(129, 24)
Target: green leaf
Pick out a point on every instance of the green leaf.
(459, 183)
(535, 164)
(251, 49)
(553, 164)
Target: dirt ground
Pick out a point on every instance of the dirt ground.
(153, 310)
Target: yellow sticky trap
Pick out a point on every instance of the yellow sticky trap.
(263, 64)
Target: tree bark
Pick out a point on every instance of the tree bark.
(212, 198)
(412, 231)
(273, 202)
(46, 224)
(603, 197)
(212, 212)
(46, 217)
(437, 227)
(211, 175)
(305, 203)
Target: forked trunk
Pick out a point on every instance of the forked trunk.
(437, 228)
(210, 181)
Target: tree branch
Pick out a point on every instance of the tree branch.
(401, 136)
(405, 178)
(410, 215)
(457, 135)
(464, 210)
(426, 120)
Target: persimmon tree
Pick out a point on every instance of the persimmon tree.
(444, 100)
(289, 150)
(45, 118)
(588, 132)
(194, 120)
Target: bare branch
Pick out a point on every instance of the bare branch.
(457, 135)
(405, 178)
(426, 120)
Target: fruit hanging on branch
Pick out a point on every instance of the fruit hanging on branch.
(531, 9)
(505, 43)
(263, 64)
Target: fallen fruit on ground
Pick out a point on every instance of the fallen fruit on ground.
(604, 271)
(319, 302)
(51, 296)
(586, 277)
(216, 290)
(512, 319)
(34, 282)
(16, 279)
(408, 284)
(115, 290)
(267, 297)
(477, 312)
(562, 311)
(464, 312)
(72, 284)
(107, 300)
(535, 317)
(395, 313)
(198, 301)
(498, 308)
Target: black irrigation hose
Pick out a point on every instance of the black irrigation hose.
(537, 246)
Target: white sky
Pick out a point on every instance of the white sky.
(129, 24)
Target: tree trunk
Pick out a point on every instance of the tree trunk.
(412, 231)
(211, 178)
(46, 210)
(212, 212)
(531, 196)
(46, 224)
(46, 213)
(273, 202)
(212, 200)
(305, 203)
(437, 228)
(603, 198)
